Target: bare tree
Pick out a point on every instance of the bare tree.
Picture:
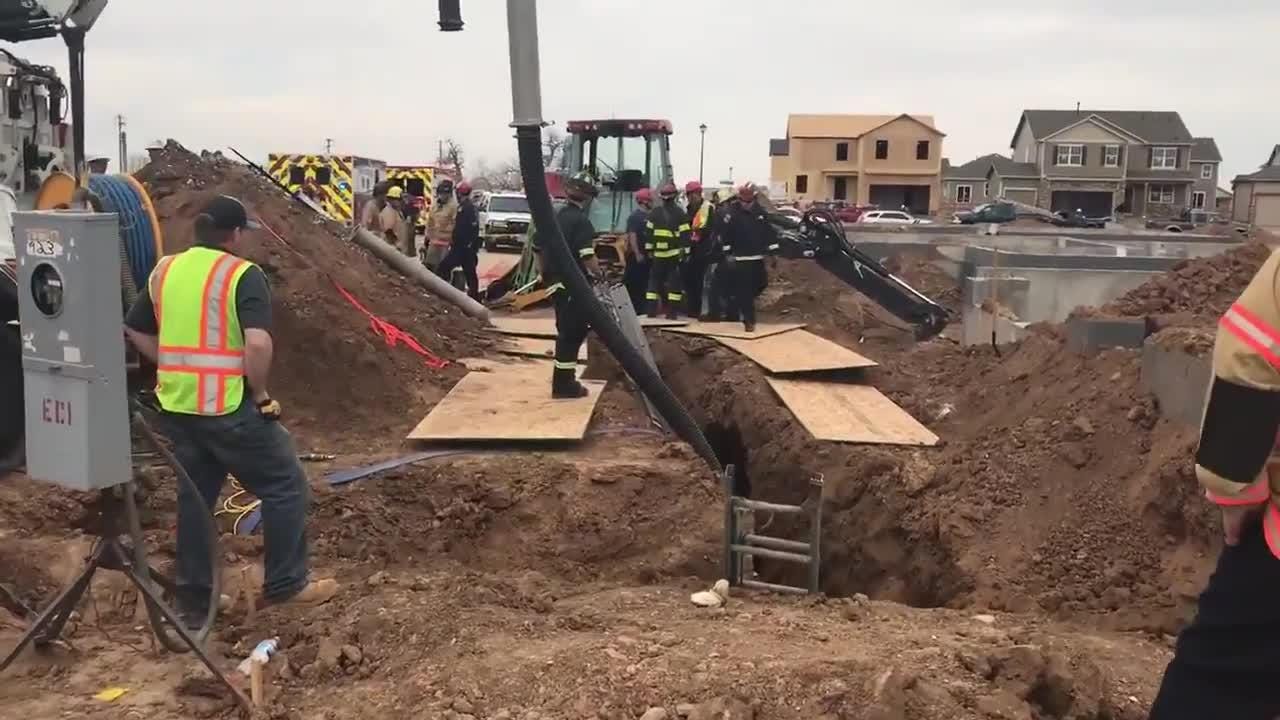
(454, 157)
(554, 144)
(505, 176)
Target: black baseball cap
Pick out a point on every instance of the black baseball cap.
(228, 213)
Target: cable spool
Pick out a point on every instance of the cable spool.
(139, 228)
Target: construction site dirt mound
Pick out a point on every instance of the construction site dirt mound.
(1057, 486)
(1201, 288)
(341, 384)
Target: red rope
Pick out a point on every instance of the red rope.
(389, 332)
(393, 334)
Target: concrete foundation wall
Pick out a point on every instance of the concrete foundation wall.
(1179, 381)
(976, 325)
(1053, 294)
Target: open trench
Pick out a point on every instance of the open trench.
(872, 541)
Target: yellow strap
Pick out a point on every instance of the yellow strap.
(665, 233)
(664, 254)
(586, 252)
(684, 227)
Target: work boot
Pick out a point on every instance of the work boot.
(655, 308)
(564, 386)
(672, 313)
(315, 592)
(749, 326)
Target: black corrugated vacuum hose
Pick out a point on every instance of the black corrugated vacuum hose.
(529, 140)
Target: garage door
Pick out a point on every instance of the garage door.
(1026, 197)
(892, 197)
(1267, 212)
(1094, 204)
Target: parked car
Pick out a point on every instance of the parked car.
(504, 220)
(1077, 219)
(789, 211)
(993, 212)
(891, 217)
(1188, 219)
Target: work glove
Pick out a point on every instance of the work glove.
(269, 409)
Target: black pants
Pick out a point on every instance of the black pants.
(664, 284)
(465, 258)
(1227, 661)
(747, 279)
(571, 331)
(720, 305)
(692, 273)
(636, 278)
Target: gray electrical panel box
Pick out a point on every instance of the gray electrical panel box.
(73, 354)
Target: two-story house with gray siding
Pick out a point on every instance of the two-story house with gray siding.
(1101, 161)
(1205, 161)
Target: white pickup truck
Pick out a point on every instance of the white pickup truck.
(504, 220)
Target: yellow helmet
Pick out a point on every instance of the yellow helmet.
(395, 192)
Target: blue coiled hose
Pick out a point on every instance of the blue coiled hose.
(136, 228)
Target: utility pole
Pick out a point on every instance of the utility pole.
(702, 146)
(439, 153)
(328, 146)
(124, 145)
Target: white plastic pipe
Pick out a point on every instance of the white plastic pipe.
(415, 271)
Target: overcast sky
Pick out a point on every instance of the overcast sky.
(382, 81)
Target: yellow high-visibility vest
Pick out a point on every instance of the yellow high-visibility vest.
(200, 369)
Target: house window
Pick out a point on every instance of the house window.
(1206, 171)
(802, 184)
(882, 149)
(1070, 156)
(1111, 156)
(842, 151)
(922, 150)
(964, 193)
(1160, 194)
(841, 189)
(1164, 158)
(986, 190)
(1197, 198)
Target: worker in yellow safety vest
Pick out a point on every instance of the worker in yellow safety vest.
(204, 320)
(701, 224)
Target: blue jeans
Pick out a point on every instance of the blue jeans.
(260, 454)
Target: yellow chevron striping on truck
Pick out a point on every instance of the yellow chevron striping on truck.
(330, 175)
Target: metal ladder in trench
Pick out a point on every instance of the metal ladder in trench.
(739, 542)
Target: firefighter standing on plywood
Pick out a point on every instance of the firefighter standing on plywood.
(571, 317)
(668, 246)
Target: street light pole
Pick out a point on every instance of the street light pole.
(702, 147)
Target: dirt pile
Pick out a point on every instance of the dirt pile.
(342, 386)
(1057, 487)
(1203, 288)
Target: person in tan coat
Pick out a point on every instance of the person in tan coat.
(440, 223)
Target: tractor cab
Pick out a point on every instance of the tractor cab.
(624, 156)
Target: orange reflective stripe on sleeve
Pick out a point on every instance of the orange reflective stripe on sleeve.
(1271, 529)
(1255, 494)
(1252, 331)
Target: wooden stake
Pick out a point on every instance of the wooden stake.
(255, 683)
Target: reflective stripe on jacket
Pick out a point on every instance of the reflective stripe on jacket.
(200, 369)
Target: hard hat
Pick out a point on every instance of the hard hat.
(644, 196)
(464, 188)
(581, 185)
(395, 192)
(693, 186)
(747, 192)
(723, 195)
(668, 190)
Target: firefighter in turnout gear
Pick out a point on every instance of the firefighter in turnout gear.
(746, 236)
(1227, 661)
(719, 301)
(701, 225)
(571, 317)
(668, 247)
